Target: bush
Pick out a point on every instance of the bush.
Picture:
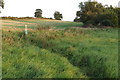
(108, 18)
(77, 20)
(106, 23)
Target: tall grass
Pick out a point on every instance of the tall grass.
(69, 53)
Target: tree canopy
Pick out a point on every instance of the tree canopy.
(88, 11)
(97, 14)
(58, 15)
(2, 3)
(38, 13)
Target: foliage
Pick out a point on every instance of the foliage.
(95, 13)
(109, 17)
(106, 23)
(2, 3)
(117, 11)
(77, 19)
(38, 13)
(89, 10)
(58, 15)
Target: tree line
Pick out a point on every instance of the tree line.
(57, 14)
(1, 4)
(94, 13)
(90, 13)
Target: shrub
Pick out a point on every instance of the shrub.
(77, 19)
(106, 23)
(108, 18)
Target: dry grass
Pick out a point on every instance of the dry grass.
(9, 25)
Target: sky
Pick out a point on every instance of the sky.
(68, 8)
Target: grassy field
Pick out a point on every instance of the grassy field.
(56, 49)
(38, 23)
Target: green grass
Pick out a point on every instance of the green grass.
(66, 53)
(69, 53)
(35, 24)
(54, 24)
(21, 59)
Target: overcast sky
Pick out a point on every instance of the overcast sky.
(23, 8)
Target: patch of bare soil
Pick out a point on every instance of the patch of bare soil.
(11, 22)
(10, 25)
(17, 29)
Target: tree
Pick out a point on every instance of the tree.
(2, 3)
(38, 13)
(58, 15)
(96, 14)
(89, 10)
(108, 18)
(77, 19)
(117, 11)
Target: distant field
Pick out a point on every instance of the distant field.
(54, 49)
(37, 23)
